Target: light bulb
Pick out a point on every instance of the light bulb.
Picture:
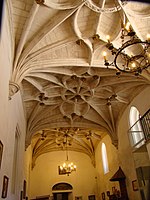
(64, 165)
(61, 167)
(127, 27)
(108, 38)
(133, 65)
(104, 55)
(148, 36)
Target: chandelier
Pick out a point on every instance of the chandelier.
(67, 167)
(134, 54)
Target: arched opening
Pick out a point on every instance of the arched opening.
(62, 191)
(136, 136)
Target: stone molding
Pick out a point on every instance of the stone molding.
(13, 89)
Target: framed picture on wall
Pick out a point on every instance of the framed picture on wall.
(5, 187)
(24, 188)
(103, 196)
(108, 193)
(135, 185)
(1, 152)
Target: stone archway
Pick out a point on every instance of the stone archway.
(62, 191)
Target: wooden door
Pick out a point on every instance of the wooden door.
(61, 196)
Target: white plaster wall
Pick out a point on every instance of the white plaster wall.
(15, 119)
(11, 112)
(45, 174)
(142, 103)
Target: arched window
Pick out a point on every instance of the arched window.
(104, 159)
(137, 136)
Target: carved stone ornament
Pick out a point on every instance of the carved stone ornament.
(90, 4)
(13, 89)
(39, 1)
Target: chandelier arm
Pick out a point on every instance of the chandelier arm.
(130, 64)
(129, 59)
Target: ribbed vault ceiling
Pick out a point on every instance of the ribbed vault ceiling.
(59, 67)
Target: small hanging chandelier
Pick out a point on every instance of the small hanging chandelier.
(67, 167)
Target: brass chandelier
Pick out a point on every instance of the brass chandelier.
(124, 58)
(67, 167)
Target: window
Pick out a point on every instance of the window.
(136, 135)
(104, 159)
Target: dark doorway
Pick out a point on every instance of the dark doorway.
(61, 196)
